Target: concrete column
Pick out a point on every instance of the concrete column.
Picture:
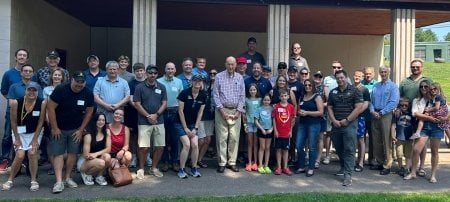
(403, 25)
(6, 55)
(144, 31)
(278, 35)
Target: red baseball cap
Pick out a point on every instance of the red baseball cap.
(241, 59)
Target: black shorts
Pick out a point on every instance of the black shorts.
(260, 135)
(282, 143)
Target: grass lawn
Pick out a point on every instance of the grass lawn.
(439, 72)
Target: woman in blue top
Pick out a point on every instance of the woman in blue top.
(310, 112)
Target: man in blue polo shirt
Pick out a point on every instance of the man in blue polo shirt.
(263, 84)
(93, 72)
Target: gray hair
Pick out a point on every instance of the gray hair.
(111, 63)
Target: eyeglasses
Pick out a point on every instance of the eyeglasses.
(415, 67)
(296, 48)
(308, 85)
(154, 73)
(433, 88)
(403, 105)
(336, 67)
(302, 73)
(424, 87)
(212, 73)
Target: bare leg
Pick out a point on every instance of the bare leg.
(156, 156)
(434, 144)
(70, 162)
(142, 155)
(194, 151)
(267, 152)
(33, 163)
(58, 164)
(20, 155)
(320, 141)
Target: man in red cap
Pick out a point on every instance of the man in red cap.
(242, 67)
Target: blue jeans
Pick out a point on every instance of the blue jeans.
(7, 138)
(344, 140)
(311, 132)
(172, 138)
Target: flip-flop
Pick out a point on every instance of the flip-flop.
(34, 186)
(421, 172)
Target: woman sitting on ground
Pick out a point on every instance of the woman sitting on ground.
(96, 148)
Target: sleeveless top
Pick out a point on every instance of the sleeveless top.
(117, 140)
(97, 145)
(28, 119)
(308, 105)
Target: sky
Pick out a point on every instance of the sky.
(440, 29)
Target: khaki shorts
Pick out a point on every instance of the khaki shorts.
(206, 128)
(146, 132)
(404, 148)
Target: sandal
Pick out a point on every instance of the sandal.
(34, 186)
(433, 180)
(7, 186)
(421, 172)
(409, 177)
(358, 168)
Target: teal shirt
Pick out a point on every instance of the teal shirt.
(369, 84)
(251, 107)
(264, 116)
(173, 86)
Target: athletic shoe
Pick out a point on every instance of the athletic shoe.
(326, 160)
(195, 172)
(70, 183)
(58, 187)
(87, 179)
(347, 182)
(248, 167)
(339, 173)
(268, 171)
(156, 172)
(140, 174)
(182, 174)
(101, 180)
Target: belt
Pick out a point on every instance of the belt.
(229, 107)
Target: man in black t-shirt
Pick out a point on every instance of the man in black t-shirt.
(69, 108)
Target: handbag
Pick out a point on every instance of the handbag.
(119, 174)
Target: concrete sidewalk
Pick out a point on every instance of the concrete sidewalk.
(229, 183)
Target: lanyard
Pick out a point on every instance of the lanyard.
(24, 113)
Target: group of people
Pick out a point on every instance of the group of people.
(95, 117)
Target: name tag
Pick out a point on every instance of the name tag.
(249, 61)
(281, 110)
(300, 64)
(175, 89)
(21, 129)
(80, 102)
(294, 88)
(36, 113)
(301, 103)
(158, 91)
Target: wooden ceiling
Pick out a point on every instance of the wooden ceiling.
(317, 17)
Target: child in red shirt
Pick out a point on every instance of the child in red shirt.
(283, 118)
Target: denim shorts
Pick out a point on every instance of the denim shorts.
(179, 130)
(251, 128)
(432, 131)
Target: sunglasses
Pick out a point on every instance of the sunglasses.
(154, 73)
(213, 73)
(304, 73)
(336, 67)
(415, 67)
(308, 85)
(424, 87)
(403, 105)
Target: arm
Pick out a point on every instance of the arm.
(263, 131)
(199, 117)
(182, 119)
(125, 99)
(87, 117)
(87, 146)
(393, 132)
(392, 100)
(294, 101)
(102, 103)
(275, 131)
(51, 107)
(13, 118)
(42, 115)
(144, 113)
(326, 91)
(333, 120)
(319, 104)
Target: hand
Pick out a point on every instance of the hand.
(17, 144)
(56, 133)
(336, 124)
(397, 113)
(110, 108)
(224, 115)
(152, 119)
(394, 139)
(376, 115)
(120, 154)
(34, 145)
(276, 134)
(76, 136)
(343, 122)
(237, 114)
(302, 112)
(290, 134)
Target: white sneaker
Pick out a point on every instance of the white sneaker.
(156, 172)
(140, 174)
(70, 183)
(58, 187)
(87, 179)
(101, 180)
(326, 160)
(148, 161)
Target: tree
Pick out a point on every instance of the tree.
(425, 36)
(447, 37)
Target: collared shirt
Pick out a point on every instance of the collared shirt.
(343, 101)
(263, 85)
(151, 98)
(385, 97)
(410, 88)
(229, 90)
(43, 75)
(202, 72)
(91, 79)
(174, 86)
(369, 84)
(330, 81)
(299, 63)
(185, 81)
(11, 77)
(111, 92)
